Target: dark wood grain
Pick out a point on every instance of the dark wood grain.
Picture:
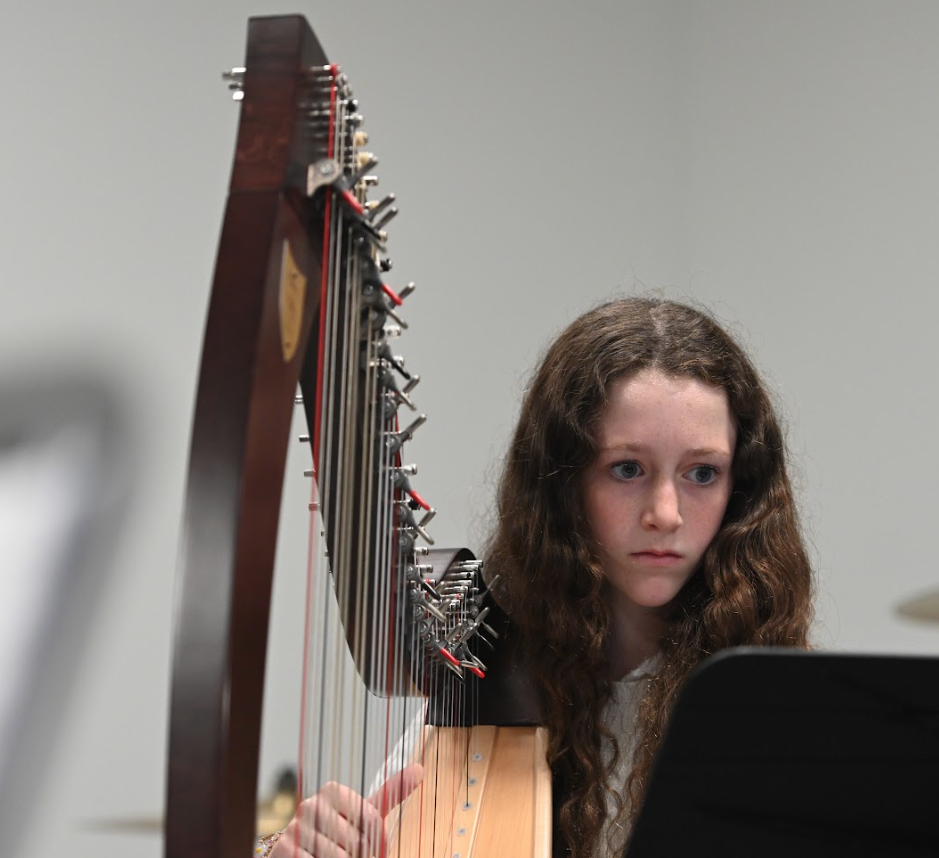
(241, 427)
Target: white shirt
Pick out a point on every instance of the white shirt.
(620, 717)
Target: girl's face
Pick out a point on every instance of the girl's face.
(656, 493)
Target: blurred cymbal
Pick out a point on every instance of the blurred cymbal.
(273, 815)
(127, 825)
(925, 607)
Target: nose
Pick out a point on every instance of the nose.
(661, 510)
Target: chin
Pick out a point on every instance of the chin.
(653, 598)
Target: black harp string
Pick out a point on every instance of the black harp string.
(332, 453)
(369, 538)
(313, 734)
(354, 399)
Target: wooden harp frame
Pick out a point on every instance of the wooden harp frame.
(261, 319)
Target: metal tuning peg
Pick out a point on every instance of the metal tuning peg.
(382, 221)
(236, 82)
(396, 440)
(375, 208)
(368, 161)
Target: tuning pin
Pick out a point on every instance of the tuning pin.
(463, 579)
(385, 263)
(236, 82)
(360, 138)
(364, 162)
(385, 218)
(412, 383)
(374, 208)
(490, 630)
(406, 290)
(454, 588)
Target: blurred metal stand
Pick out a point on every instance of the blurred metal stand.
(925, 607)
(64, 486)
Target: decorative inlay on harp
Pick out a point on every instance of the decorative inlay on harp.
(300, 297)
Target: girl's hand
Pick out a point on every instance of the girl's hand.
(337, 822)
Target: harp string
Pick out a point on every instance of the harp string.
(356, 604)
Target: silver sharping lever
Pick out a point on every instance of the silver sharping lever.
(395, 440)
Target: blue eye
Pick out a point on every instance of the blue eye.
(703, 474)
(626, 470)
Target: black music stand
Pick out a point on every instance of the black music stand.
(774, 752)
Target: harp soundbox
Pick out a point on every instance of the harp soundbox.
(300, 298)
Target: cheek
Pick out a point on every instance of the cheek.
(608, 511)
(709, 518)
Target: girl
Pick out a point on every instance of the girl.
(646, 520)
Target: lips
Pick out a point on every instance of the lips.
(656, 558)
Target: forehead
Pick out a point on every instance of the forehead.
(652, 408)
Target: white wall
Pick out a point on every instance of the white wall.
(774, 161)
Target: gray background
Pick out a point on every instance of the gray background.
(775, 161)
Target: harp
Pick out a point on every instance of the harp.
(299, 298)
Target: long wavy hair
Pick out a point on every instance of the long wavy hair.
(754, 583)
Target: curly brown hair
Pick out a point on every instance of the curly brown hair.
(754, 584)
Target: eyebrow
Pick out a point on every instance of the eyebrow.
(630, 447)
